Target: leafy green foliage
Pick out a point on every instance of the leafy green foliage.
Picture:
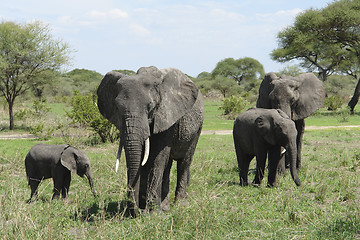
(333, 103)
(224, 85)
(233, 106)
(85, 112)
(240, 69)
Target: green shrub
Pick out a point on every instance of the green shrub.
(233, 106)
(42, 131)
(333, 103)
(85, 112)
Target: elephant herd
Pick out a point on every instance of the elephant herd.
(159, 114)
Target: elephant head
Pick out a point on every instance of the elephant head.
(140, 105)
(298, 96)
(278, 129)
(77, 162)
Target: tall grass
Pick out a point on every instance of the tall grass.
(326, 206)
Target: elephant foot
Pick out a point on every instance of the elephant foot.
(271, 185)
(243, 182)
(165, 205)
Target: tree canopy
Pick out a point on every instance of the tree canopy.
(241, 69)
(325, 40)
(27, 50)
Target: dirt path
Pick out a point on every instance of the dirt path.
(229, 132)
(10, 136)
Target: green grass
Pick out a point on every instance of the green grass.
(325, 206)
(213, 119)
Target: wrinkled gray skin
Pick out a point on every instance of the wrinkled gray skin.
(298, 97)
(260, 132)
(57, 162)
(166, 108)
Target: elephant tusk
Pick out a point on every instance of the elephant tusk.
(147, 150)
(283, 151)
(118, 157)
(117, 164)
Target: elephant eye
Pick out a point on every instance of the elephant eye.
(86, 165)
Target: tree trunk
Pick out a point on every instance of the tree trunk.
(355, 98)
(11, 114)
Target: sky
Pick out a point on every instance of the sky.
(192, 36)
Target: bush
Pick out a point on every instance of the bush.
(85, 112)
(333, 103)
(233, 106)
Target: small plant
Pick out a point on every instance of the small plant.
(41, 131)
(344, 115)
(85, 112)
(232, 106)
(333, 103)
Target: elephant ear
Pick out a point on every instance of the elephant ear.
(264, 128)
(311, 94)
(107, 92)
(68, 159)
(178, 94)
(266, 87)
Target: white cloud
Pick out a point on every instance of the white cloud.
(281, 15)
(222, 14)
(118, 13)
(139, 30)
(93, 18)
(96, 15)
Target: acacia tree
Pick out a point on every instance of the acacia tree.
(314, 54)
(26, 50)
(241, 69)
(336, 30)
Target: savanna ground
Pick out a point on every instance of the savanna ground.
(325, 206)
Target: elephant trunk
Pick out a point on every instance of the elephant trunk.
(133, 153)
(292, 153)
(91, 183)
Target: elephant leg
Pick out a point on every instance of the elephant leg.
(66, 184)
(183, 169)
(243, 160)
(243, 165)
(34, 184)
(159, 153)
(144, 177)
(183, 177)
(58, 185)
(274, 158)
(165, 200)
(300, 127)
(58, 179)
(260, 166)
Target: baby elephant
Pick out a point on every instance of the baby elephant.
(56, 161)
(261, 132)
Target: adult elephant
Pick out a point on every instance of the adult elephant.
(159, 114)
(298, 97)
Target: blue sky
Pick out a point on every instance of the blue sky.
(192, 36)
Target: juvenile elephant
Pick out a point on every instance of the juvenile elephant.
(159, 114)
(261, 132)
(298, 97)
(57, 162)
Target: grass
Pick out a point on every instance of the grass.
(326, 206)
